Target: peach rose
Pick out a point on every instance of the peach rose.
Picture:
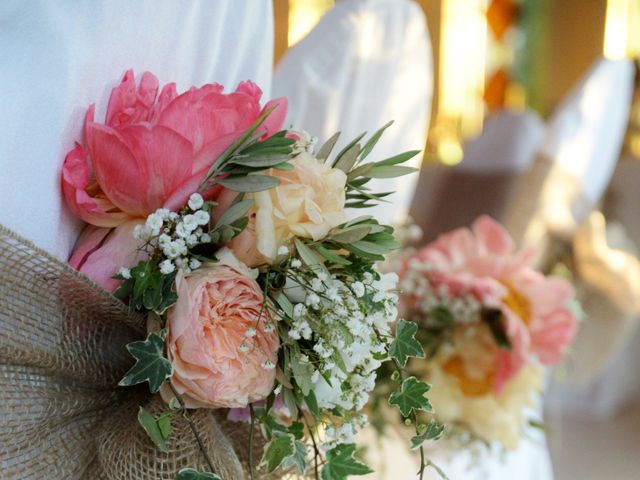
(221, 341)
(308, 203)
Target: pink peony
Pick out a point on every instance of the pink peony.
(483, 262)
(154, 150)
(220, 337)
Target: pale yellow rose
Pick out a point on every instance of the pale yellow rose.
(308, 203)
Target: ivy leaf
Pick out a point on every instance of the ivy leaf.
(432, 431)
(191, 474)
(405, 344)
(411, 397)
(299, 458)
(151, 365)
(341, 463)
(278, 449)
(158, 429)
(312, 404)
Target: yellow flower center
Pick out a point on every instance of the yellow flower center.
(517, 302)
(470, 386)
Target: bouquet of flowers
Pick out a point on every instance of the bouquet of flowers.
(488, 322)
(262, 297)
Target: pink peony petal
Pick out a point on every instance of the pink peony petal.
(75, 177)
(273, 123)
(100, 252)
(139, 167)
(128, 105)
(492, 237)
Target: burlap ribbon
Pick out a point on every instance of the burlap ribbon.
(62, 353)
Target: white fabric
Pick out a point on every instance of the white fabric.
(586, 131)
(365, 63)
(507, 144)
(57, 57)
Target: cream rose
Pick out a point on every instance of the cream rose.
(220, 339)
(308, 203)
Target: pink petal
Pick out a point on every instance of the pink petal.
(139, 167)
(128, 105)
(273, 123)
(492, 237)
(100, 252)
(75, 176)
(551, 336)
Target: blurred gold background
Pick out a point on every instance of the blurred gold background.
(491, 54)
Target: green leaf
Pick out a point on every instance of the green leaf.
(432, 431)
(240, 141)
(351, 234)
(404, 344)
(348, 147)
(388, 171)
(156, 428)
(277, 450)
(341, 463)
(299, 458)
(283, 302)
(306, 254)
(400, 158)
(191, 474)
(368, 147)
(284, 166)
(332, 257)
(235, 212)
(249, 183)
(312, 404)
(290, 401)
(151, 365)
(411, 397)
(326, 148)
(348, 159)
(302, 373)
(260, 160)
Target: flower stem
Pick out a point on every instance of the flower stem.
(187, 417)
(414, 416)
(251, 433)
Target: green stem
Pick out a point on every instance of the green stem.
(187, 417)
(251, 433)
(414, 417)
(316, 451)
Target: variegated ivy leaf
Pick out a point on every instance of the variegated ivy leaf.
(404, 344)
(411, 397)
(341, 463)
(431, 431)
(280, 447)
(151, 365)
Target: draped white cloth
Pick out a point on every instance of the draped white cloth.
(58, 57)
(366, 62)
(580, 151)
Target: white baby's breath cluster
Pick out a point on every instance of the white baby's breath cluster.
(174, 233)
(415, 284)
(348, 321)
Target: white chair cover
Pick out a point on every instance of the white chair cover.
(485, 181)
(365, 63)
(578, 154)
(58, 57)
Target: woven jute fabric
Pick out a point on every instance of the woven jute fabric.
(62, 353)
